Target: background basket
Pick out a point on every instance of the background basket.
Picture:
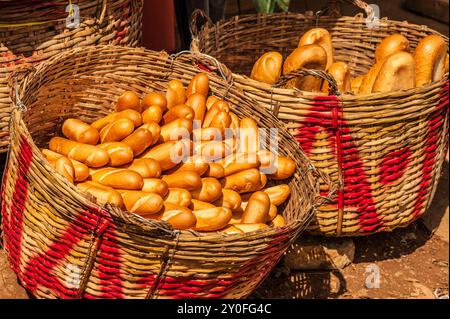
(32, 31)
(384, 150)
(56, 236)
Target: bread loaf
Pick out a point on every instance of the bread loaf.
(128, 100)
(229, 199)
(212, 219)
(193, 164)
(181, 111)
(210, 190)
(79, 131)
(156, 186)
(65, 167)
(267, 68)
(117, 130)
(278, 194)
(319, 36)
(231, 230)
(198, 85)
(142, 203)
(119, 153)
(139, 141)
(81, 171)
(215, 170)
(103, 194)
(398, 72)
(186, 180)
(153, 114)
(392, 44)
(146, 167)
(248, 228)
(211, 100)
(178, 217)
(356, 84)
(197, 102)
(257, 209)
(430, 55)
(278, 221)
(169, 154)
(132, 115)
(154, 99)
(178, 196)
(310, 56)
(176, 94)
(154, 129)
(199, 205)
(90, 155)
(176, 130)
(238, 162)
(249, 136)
(285, 168)
(341, 73)
(243, 182)
(219, 106)
(118, 178)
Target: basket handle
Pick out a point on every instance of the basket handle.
(195, 26)
(20, 73)
(357, 3)
(205, 61)
(332, 85)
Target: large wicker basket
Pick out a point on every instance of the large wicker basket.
(54, 234)
(33, 30)
(384, 150)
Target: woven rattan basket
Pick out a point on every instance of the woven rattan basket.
(32, 31)
(54, 234)
(384, 150)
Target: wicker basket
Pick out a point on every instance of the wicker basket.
(384, 150)
(52, 232)
(32, 31)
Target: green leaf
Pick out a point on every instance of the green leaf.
(283, 4)
(265, 6)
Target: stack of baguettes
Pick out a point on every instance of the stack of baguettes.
(395, 68)
(182, 157)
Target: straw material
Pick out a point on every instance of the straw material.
(62, 244)
(32, 31)
(384, 150)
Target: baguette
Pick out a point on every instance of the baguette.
(210, 190)
(320, 37)
(118, 178)
(231, 230)
(65, 167)
(285, 168)
(278, 221)
(249, 136)
(179, 217)
(212, 219)
(141, 203)
(132, 115)
(218, 106)
(178, 196)
(146, 167)
(257, 209)
(176, 130)
(198, 85)
(278, 194)
(168, 154)
(116, 130)
(341, 73)
(392, 44)
(197, 102)
(81, 171)
(215, 170)
(243, 182)
(119, 153)
(398, 72)
(430, 55)
(193, 164)
(90, 155)
(187, 180)
(103, 194)
(139, 141)
(79, 131)
(156, 186)
(176, 94)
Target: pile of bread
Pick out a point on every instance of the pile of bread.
(182, 157)
(395, 68)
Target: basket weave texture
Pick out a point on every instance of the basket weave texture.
(62, 244)
(32, 31)
(384, 150)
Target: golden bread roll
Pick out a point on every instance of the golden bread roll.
(154, 129)
(278, 194)
(103, 194)
(267, 160)
(341, 73)
(273, 212)
(154, 99)
(366, 86)
(197, 102)
(156, 186)
(128, 100)
(238, 162)
(285, 168)
(79, 131)
(146, 167)
(177, 216)
(117, 130)
(119, 153)
(176, 130)
(218, 106)
(175, 94)
(268, 68)
(139, 141)
(168, 154)
(141, 203)
(430, 55)
(221, 121)
(193, 164)
(356, 84)
(207, 134)
(231, 230)
(153, 114)
(198, 85)
(392, 44)
(249, 135)
(81, 171)
(132, 115)
(257, 209)
(210, 190)
(65, 167)
(90, 155)
(181, 111)
(278, 221)
(320, 37)
(398, 72)
(118, 178)
(187, 180)
(229, 199)
(212, 219)
(178, 196)
(235, 122)
(243, 182)
(211, 100)
(248, 228)
(212, 151)
(310, 56)
(199, 205)
(215, 170)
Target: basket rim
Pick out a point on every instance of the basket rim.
(130, 218)
(208, 28)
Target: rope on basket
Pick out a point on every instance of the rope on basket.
(165, 263)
